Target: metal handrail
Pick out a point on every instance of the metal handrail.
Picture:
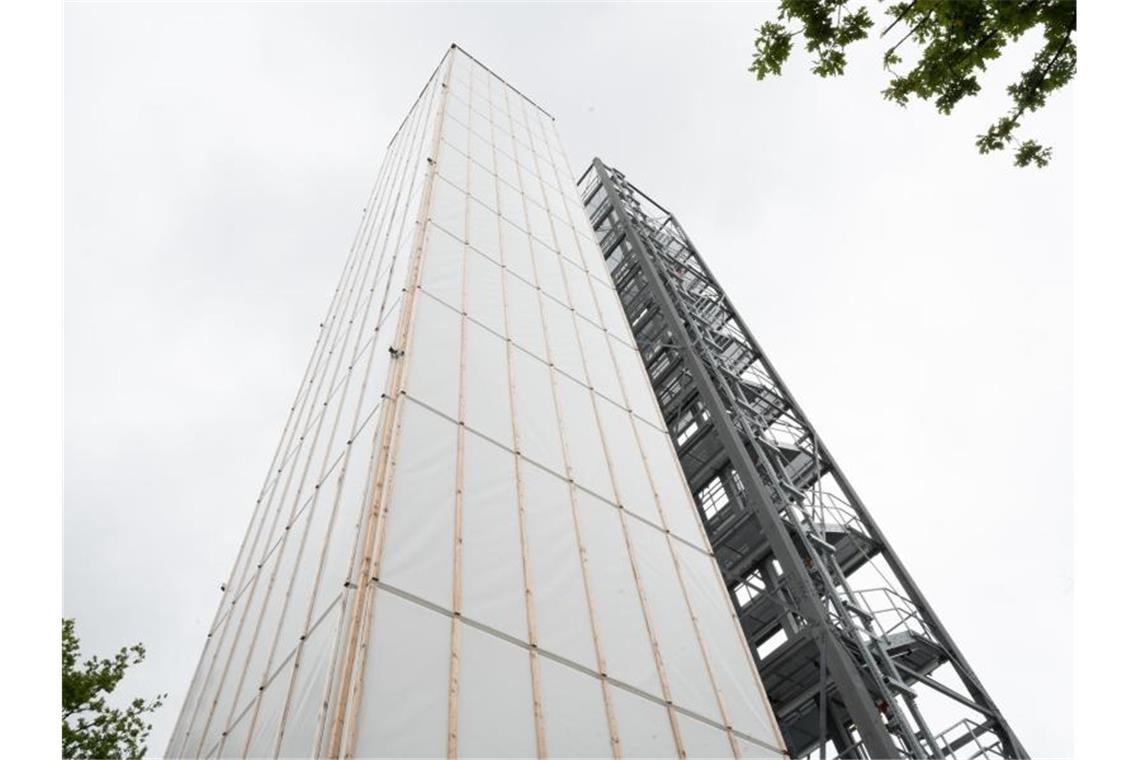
(889, 612)
(991, 748)
(824, 504)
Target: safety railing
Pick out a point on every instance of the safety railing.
(967, 740)
(886, 612)
(829, 510)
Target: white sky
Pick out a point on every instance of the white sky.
(915, 296)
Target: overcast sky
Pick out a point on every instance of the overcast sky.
(915, 296)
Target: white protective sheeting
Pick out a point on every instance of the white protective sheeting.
(420, 530)
(486, 368)
(574, 712)
(309, 674)
(405, 680)
(561, 609)
(643, 726)
(588, 464)
(621, 620)
(496, 705)
(727, 656)
(492, 569)
(681, 652)
(702, 740)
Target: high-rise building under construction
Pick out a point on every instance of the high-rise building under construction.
(540, 494)
(475, 538)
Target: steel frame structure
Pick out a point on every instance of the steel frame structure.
(843, 664)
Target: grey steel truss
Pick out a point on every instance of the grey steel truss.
(844, 640)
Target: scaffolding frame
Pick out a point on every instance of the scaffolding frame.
(843, 664)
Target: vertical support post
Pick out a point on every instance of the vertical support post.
(822, 703)
(841, 738)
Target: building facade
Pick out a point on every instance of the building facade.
(475, 538)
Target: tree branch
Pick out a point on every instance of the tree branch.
(1045, 71)
(906, 12)
(913, 29)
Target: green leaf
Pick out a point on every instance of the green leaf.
(950, 44)
(92, 729)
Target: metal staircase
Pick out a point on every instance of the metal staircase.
(843, 639)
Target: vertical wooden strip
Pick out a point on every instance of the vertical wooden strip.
(379, 452)
(339, 652)
(252, 598)
(607, 700)
(457, 544)
(281, 574)
(456, 602)
(232, 585)
(642, 597)
(408, 163)
(339, 298)
(680, 576)
(528, 587)
(624, 383)
(352, 446)
(356, 642)
(398, 380)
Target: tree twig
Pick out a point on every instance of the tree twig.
(906, 12)
(1045, 71)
